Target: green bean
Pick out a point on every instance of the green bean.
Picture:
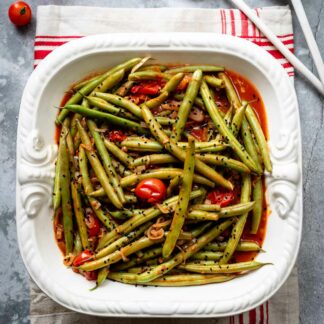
(167, 266)
(103, 105)
(111, 81)
(154, 159)
(79, 215)
(198, 101)
(169, 87)
(77, 244)
(142, 146)
(56, 198)
(146, 145)
(87, 185)
(74, 129)
(66, 193)
(258, 207)
(112, 119)
(200, 166)
(140, 64)
(122, 241)
(125, 213)
(186, 105)
(116, 256)
(165, 121)
(148, 215)
(148, 75)
(157, 101)
(183, 201)
(177, 280)
(88, 189)
(118, 153)
(120, 169)
(100, 193)
(81, 84)
(124, 88)
(207, 256)
(102, 216)
(250, 144)
(121, 102)
(259, 135)
(102, 276)
(224, 268)
(153, 67)
(201, 228)
(98, 168)
(224, 161)
(173, 83)
(70, 147)
(231, 93)
(193, 68)
(162, 173)
(146, 255)
(206, 207)
(223, 129)
(242, 246)
(90, 86)
(236, 210)
(174, 182)
(238, 228)
(214, 82)
(106, 161)
(237, 120)
(202, 215)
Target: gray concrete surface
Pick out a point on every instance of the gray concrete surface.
(16, 64)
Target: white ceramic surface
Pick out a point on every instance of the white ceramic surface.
(36, 153)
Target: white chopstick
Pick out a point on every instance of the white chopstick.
(299, 66)
(304, 24)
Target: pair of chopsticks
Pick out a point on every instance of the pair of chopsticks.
(299, 66)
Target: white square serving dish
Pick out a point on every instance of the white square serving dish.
(36, 153)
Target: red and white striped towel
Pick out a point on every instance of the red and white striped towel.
(57, 25)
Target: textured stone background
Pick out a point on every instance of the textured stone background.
(16, 64)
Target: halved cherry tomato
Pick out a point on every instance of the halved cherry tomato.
(82, 257)
(117, 136)
(92, 223)
(221, 197)
(151, 190)
(19, 13)
(200, 134)
(90, 275)
(147, 88)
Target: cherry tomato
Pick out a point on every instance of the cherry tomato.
(151, 190)
(200, 134)
(90, 275)
(221, 197)
(20, 13)
(93, 224)
(117, 136)
(147, 88)
(82, 257)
